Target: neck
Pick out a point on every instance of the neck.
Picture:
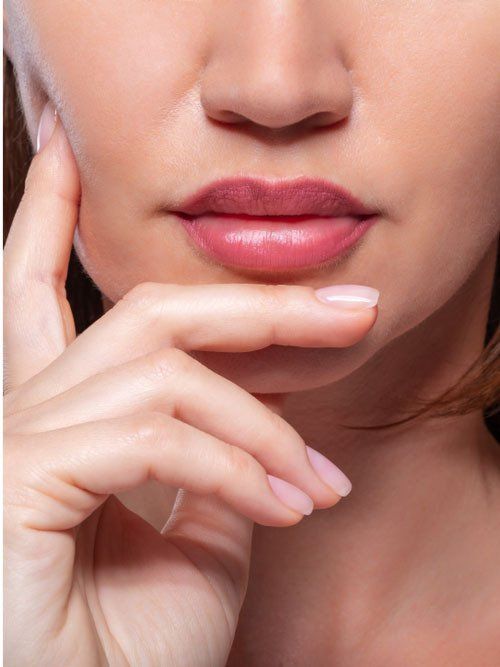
(423, 492)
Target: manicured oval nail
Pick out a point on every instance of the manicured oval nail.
(349, 296)
(291, 495)
(329, 472)
(46, 125)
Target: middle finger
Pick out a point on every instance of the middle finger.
(171, 381)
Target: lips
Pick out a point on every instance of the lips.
(274, 225)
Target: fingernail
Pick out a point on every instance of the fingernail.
(349, 296)
(46, 125)
(291, 495)
(329, 472)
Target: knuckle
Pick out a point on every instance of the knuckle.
(143, 297)
(146, 301)
(288, 442)
(272, 297)
(285, 431)
(142, 294)
(170, 362)
(148, 428)
(242, 464)
(140, 304)
(268, 305)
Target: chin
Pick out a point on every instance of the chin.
(284, 369)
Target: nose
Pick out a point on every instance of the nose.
(275, 65)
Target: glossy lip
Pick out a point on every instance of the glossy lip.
(274, 225)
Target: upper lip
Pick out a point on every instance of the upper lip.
(255, 196)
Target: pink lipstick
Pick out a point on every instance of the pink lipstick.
(274, 225)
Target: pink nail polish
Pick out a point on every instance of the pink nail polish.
(46, 125)
(349, 296)
(329, 472)
(291, 495)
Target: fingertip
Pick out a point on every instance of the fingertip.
(291, 496)
(69, 173)
(54, 157)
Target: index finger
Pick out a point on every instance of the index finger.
(216, 317)
(38, 323)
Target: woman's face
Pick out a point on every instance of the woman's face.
(162, 97)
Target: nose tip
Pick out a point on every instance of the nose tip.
(276, 70)
(278, 98)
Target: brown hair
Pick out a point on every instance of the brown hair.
(478, 388)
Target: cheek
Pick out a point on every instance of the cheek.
(120, 247)
(433, 154)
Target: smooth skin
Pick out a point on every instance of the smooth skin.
(397, 101)
(85, 419)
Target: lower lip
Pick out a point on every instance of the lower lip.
(278, 243)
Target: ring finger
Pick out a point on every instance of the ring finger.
(171, 381)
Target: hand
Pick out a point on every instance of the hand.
(87, 581)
